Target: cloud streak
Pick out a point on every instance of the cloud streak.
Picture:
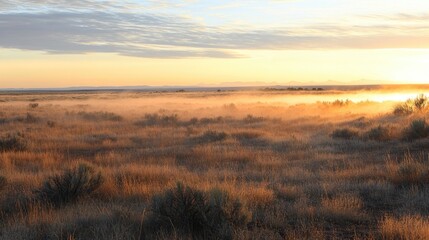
(82, 29)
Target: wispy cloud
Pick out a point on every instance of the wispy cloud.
(85, 27)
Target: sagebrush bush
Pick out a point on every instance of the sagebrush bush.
(226, 212)
(405, 108)
(246, 135)
(33, 105)
(12, 142)
(420, 103)
(410, 171)
(210, 136)
(340, 103)
(251, 119)
(417, 129)
(159, 120)
(194, 214)
(345, 133)
(70, 186)
(379, 134)
(100, 116)
(3, 182)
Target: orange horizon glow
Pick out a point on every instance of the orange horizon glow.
(264, 68)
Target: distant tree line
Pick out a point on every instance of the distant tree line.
(294, 89)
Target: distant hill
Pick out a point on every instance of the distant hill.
(330, 85)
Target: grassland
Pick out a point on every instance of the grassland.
(248, 165)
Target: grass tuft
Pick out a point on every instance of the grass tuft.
(418, 129)
(379, 133)
(189, 213)
(408, 172)
(345, 133)
(3, 182)
(70, 186)
(15, 142)
(404, 228)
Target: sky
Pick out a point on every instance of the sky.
(60, 43)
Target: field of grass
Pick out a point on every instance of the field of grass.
(212, 165)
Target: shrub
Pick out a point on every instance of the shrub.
(33, 105)
(403, 109)
(420, 102)
(51, 124)
(251, 119)
(344, 133)
(341, 103)
(226, 212)
(100, 116)
(70, 186)
(210, 136)
(251, 139)
(161, 120)
(3, 182)
(379, 134)
(417, 129)
(195, 214)
(343, 209)
(408, 172)
(30, 118)
(14, 142)
(213, 120)
(411, 105)
(246, 135)
(183, 209)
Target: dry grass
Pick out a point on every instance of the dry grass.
(410, 171)
(405, 228)
(278, 159)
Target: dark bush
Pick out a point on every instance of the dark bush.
(14, 142)
(251, 119)
(30, 118)
(210, 136)
(411, 171)
(70, 186)
(417, 129)
(246, 135)
(341, 103)
(33, 105)
(345, 133)
(159, 120)
(194, 214)
(251, 139)
(420, 102)
(379, 134)
(214, 120)
(180, 209)
(51, 124)
(100, 138)
(100, 116)
(225, 213)
(193, 121)
(403, 109)
(3, 182)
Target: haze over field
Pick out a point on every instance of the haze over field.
(256, 164)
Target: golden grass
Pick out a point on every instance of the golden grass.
(405, 228)
(409, 171)
(280, 161)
